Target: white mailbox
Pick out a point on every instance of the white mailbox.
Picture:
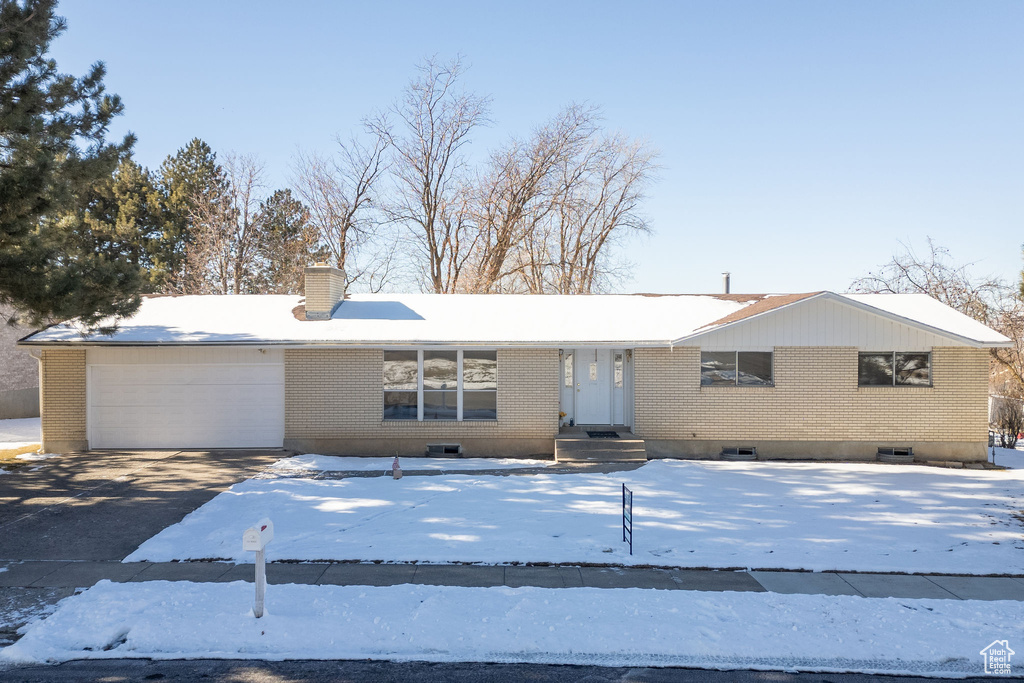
(257, 537)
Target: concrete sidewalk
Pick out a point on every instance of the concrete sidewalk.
(75, 574)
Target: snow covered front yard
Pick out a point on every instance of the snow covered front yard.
(817, 516)
(1012, 458)
(612, 627)
(17, 432)
(332, 463)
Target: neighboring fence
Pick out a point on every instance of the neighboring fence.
(18, 403)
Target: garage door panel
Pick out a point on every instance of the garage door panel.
(264, 396)
(185, 375)
(178, 405)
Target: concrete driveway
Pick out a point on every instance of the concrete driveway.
(101, 505)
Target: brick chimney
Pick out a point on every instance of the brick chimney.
(325, 290)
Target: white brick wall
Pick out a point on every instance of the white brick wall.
(815, 398)
(339, 393)
(62, 394)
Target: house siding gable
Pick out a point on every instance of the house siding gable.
(820, 322)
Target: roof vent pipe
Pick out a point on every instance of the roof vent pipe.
(725, 283)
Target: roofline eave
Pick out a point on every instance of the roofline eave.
(327, 343)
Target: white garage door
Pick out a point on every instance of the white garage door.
(185, 398)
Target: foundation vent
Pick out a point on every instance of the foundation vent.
(440, 449)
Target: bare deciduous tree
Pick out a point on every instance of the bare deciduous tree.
(599, 209)
(516, 194)
(550, 210)
(936, 275)
(986, 299)
(245, 242)
(433, 124)
(1008, 413)
(1010, 321)
(341, 192)
(542, 216)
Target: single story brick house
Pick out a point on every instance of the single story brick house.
(815, 375)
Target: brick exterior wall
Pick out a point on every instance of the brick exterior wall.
(815, 399)
(338, 394)
(62, 395)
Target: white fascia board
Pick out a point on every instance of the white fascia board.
(717, 328)
(389, 344)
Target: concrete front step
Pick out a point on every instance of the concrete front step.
(600, 450)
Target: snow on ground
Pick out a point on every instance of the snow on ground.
(612, 627)
(333, 463)
(21, 606)
(1009, 457)
(36, 456)
(20, 432)
(817, 516)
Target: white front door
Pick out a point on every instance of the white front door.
(593, 387)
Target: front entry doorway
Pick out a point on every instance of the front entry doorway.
(597, 386)
(594, 388)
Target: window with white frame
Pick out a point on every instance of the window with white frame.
(440, 385)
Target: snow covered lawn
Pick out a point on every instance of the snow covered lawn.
(1009, 457)
(616, 627)
(19, 433)
(855, 517)
(311, 462)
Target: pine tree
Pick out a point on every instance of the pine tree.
(53, 158)
(288, 244)
(128, 213)
(188, 179)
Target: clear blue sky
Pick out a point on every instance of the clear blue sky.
(800, 140)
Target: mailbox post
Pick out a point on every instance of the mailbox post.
(256, 538)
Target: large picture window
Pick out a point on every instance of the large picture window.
(736, 368)
(401, 385)
(440, 385)
(479, 385)
(894, 368)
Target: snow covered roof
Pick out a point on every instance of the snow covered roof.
(624, 320)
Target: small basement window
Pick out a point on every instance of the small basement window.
(739, 451)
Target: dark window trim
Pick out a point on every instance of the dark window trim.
(736, 380)
(894, 385)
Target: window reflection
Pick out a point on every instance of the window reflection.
(894, 369)
(717, 367)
